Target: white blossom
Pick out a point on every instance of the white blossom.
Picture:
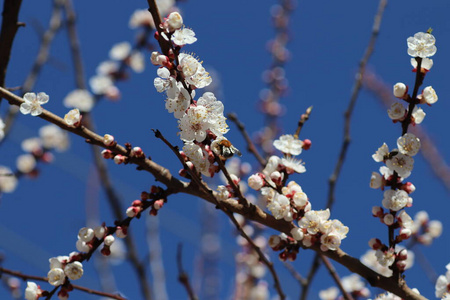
(109, 240)
(74, 270)
(397, 111)
(443, 284)
(26, 163)
(408, 144)
(53, 137)
(312, 220)
(418, 114)
(141, 17)
(421, 45)
(100, 84)
(197, 157)
(296, 165)
(256, 182)
(288, 144)
(400, 89)
(8, 181)
(2, 128)
(429, 95)
(331, 293)
(297, 233)
(56, 276)
(427, 63)
(402, 164)
(32, 292)
(381, 153)
(183, 36)
(395, 199)
(86, 234)
(385, 258)
(280, 207)
(73, 117)
(137, 61)
(32, 104)
(174, 20)
(120, 51)
(81, 99)
(376, 180)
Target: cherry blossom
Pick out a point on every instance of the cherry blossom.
(443, 284)
(395, 199)
(81, 99)
(73, 117)
(408, 144)
(32, 104)
(422, 44)
(74, 270)
(402, 164)
(33, 291)
(183, 36)
(288, 144)
(56, 276)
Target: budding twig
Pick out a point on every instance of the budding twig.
(77, 287)
(183, 277)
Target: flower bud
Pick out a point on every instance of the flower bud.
(306, 144)
(297, 233)
(107, 154)
(256, 182)
(108, 140)
(119, 159)
(400, 89)
(174, 20)
(109, 240)
(429, 95)
(388, 219)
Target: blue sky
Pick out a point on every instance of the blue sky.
(41, 219)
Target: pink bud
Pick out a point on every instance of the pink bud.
(121, 232)
(107, 154)
(158, 204)
(137, 152)
(137, 203)
(118, 159)
(306, 144)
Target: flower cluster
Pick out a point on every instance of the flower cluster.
(443, 285)
(201, 122)
(287, 200)
(62, 270)
(399, 162)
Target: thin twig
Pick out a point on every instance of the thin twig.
(355, 92)
(26, 277)
(303, 118)
(335, 277)
(348, 114)
(301, 280)
(175, 185)
(250, 145)
(112, 195)
(183, 277)
(312, 271)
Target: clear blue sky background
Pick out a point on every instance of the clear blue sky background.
(41, 219)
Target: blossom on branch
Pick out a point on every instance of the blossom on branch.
(32, 104)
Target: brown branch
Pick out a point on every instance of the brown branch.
(174, 185)
(26, 277)
(250, 145)
(335, 277)
(10, 25)
(303, 118)
(183, 277)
